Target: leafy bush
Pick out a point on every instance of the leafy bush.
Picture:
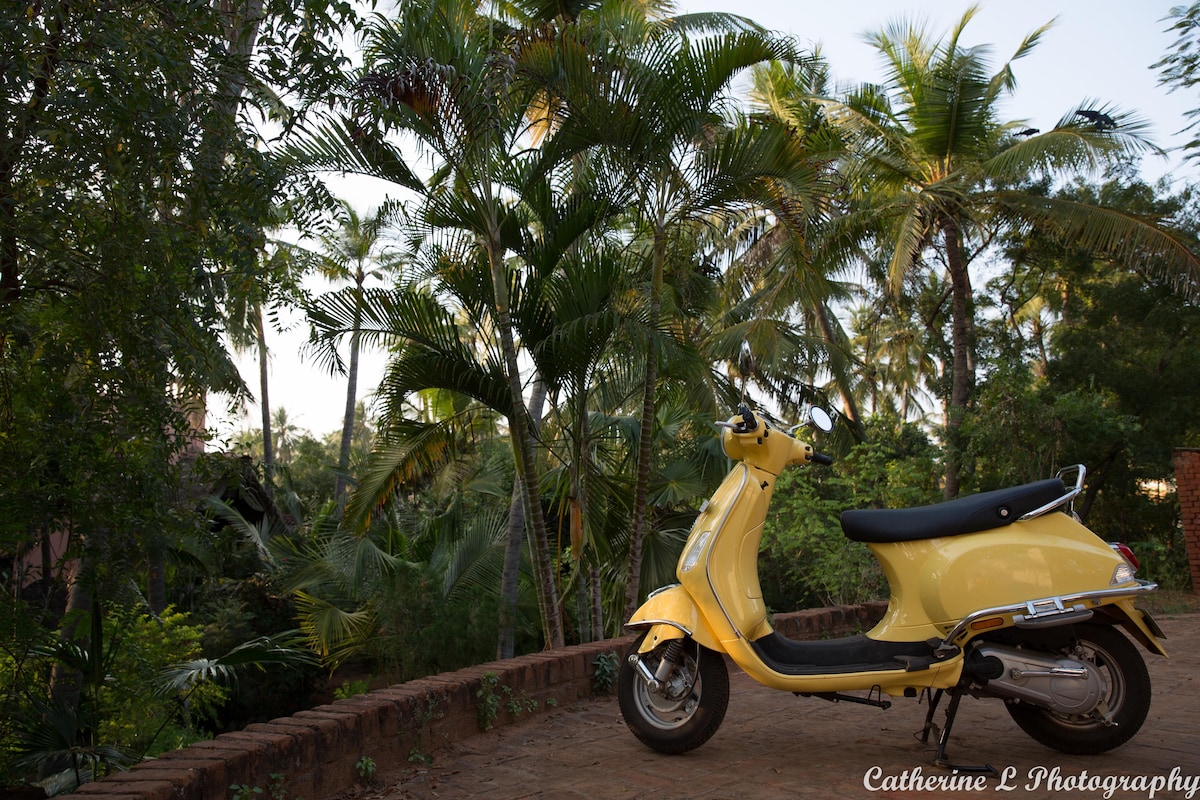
(806, 560)
(120, 716)
(144, 721)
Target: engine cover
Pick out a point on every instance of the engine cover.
(1058, 683)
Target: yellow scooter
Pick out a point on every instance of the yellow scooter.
(1000, 594)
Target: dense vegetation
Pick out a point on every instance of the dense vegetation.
(588, 222)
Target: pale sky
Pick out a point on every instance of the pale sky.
(1097, 49)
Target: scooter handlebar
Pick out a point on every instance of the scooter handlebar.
(821, 458)
(749, 421)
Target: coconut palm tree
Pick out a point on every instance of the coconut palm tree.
(254, 294)
(933, 170)
(353, 252)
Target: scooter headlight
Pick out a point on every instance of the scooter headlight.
(695, 551)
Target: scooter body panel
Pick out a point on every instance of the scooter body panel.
(719, 565)
(937, 582)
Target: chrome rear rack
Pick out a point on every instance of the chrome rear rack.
(1080, 473)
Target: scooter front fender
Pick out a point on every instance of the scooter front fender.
(671, 613)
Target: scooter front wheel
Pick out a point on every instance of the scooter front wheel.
(681, 711)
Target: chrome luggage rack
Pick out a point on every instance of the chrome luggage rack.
(1067, 499)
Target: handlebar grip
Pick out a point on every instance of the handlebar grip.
(822, 459)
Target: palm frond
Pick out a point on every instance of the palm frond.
(407, 451)
(347, 145)
(259, 534)
(257, 653)
(1135, 241)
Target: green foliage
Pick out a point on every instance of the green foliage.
(152, 722)
(426, 713)
(492, 695)
(806, 560)
(351, 689)
(604, 678)
(243, 791)
(366, 768)
(120, 715)
(275, 788)
(238, 611)
(1180, 66)
(488, 707)
(1095, 364)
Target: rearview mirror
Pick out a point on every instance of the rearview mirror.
(819, 418)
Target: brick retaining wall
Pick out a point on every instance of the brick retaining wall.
(313, 753)
(1187, 484)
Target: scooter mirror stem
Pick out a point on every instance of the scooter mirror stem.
(749, 422)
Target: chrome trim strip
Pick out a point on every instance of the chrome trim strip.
(661, 589)
(650, 623)
(1064, 601)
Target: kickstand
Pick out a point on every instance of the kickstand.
(923, 734)
(943, 735)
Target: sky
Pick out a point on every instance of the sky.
(1098, 50)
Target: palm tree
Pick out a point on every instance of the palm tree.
(286, 433)
(931, 166)
(893, 348)
(657, 104)
(351, 253)
(270, 283)
(797, 260)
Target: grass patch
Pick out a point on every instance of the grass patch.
(1167, 602)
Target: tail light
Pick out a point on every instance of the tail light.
(1124, 551)
(1124, 572)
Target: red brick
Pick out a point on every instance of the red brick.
(1187, 482)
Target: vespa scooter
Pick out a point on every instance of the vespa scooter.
(1000, 594)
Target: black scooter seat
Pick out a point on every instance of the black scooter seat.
(977, 512)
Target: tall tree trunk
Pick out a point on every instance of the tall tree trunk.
(641, 487)
(962, 338)
(853, 416)
(515, 540)
(339, 492)
(1097, 478)
(10, 277)
(66, 684)
(523, 451)
(597, 604)
(264, 398)
(242, 21)
(156, 581)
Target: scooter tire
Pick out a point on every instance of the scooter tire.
(675, 726)
(1128, 698)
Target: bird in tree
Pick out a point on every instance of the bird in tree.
(1101, 120)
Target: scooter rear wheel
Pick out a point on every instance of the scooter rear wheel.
(1127, 698)
(688, 711)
